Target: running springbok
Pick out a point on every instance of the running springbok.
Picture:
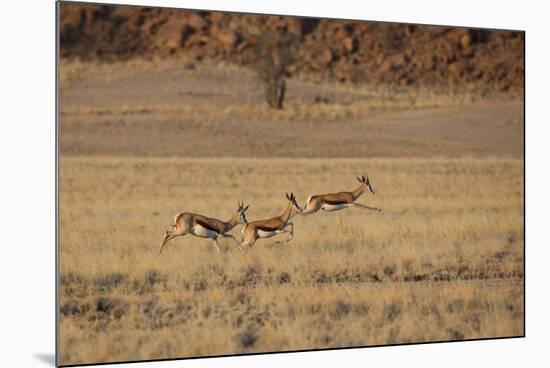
(273, 226)
(340, 200)
(205, 227)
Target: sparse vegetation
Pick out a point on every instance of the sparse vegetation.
(440, 255)
(446, 252)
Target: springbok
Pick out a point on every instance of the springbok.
(205, 227)
(273, 226)
(340, 200)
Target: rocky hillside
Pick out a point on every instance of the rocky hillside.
(353, 51)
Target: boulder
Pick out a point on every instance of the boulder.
(196, 21)
(227, 37)
(349, 44)
(456, 69)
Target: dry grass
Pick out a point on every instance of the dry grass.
(446, 252)
(307, 100)
(142, 141)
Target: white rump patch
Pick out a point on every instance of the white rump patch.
(268, 234)
(334, 207)
(308, 199)
(203, 232)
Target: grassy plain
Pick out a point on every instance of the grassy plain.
(141, 142)
(446, 252)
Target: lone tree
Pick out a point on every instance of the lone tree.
(271, 57)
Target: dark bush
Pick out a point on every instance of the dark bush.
(455, 334)
(389, 271)
(362, 309)
(391, 311)
(248, 338)
(341, 309)
(70, 309)
(110, 305)
(109, 282)
(284, 278)
(252, 276)
(201, 285)
(154, 277)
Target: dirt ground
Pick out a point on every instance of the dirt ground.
(162, 109)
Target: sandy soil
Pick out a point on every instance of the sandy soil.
(162, 109)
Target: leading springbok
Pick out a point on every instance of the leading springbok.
(205, 227)
(273, 226)
(340, 200)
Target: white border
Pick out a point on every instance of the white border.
(27, 172)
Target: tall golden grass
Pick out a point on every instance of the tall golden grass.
(443, 261)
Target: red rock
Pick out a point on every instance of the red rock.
(385, 67)
(325, 56)
(456, 69)
(227, 37)
(465, 41)
(349, 44)
(196, 22)
(386, 53)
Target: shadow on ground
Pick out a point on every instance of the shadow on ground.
(47, 358)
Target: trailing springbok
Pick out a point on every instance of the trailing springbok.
(273, 226)
(340, 200)
(205, 227)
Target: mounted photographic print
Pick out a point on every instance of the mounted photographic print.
(235, 183)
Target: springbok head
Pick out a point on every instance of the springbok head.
(364, 179)
(292, 199)
(241, 210)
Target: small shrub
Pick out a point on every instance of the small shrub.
(206, 312)
(455, 334)
(252, 276)
(105, 305)
(248, 338)
(70, 309)
(201, 285)
(322, 278)
(242, 298)
(154, 277)
(111, 306)
(109, 282)
(342, 309)
(391, 311)
(362, 309)
(389, 271)
(283, 278)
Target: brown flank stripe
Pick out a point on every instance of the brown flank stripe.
(206, 226)
(265, 228)
(334, 202)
